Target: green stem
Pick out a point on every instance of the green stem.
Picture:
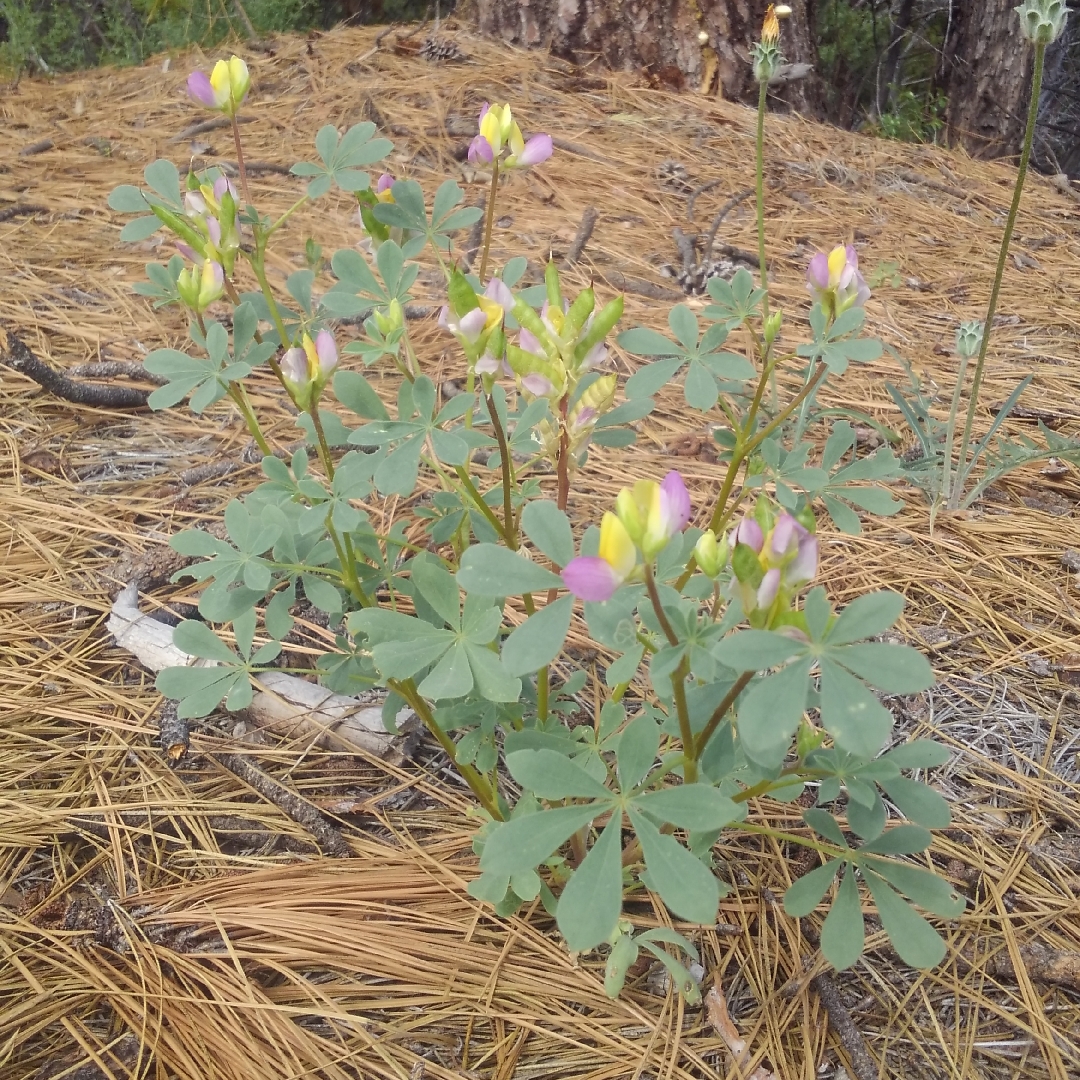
(686, 734)
(324, 446)
(720, 712)
(760, 168)
(477, 784)
(239, 396)
(489, 220)
(963, 467)
(543, 692)
(826, 849)
(240, 160)
(478, 499)
(285, 217)
(661, 615)
(258, 264)
(507, 471)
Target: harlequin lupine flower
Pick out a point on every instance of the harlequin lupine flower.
(834, 281)
(212, 207)
(596, 578)
(499, 131)
(646, 517)
(768, 568)
(307, 368)
(200, 288)
(477, 322)
(383, 188)
(224, 89)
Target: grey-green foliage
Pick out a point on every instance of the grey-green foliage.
(454, 606)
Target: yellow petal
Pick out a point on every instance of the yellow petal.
(492, 310)
(220, 81)
(517, 143)
(312, 356)
(837, 262)
(491, 129)
(616, 547)
(239, 78)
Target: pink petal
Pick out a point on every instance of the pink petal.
(186, 251)
(472, 323)
(213, 227)
(678, 501)
(221, 185)
(326, 349)
(784, 533)
(385, 182)
(748, 532)
(200, 90)
(595, 356)
(817, 273)
(294, 365)
(538, 386)
(590, 578)
(804, 566)
(483, 112)
(537, 149)
(769, 587)
(480, 151)
(529, 343)
(498, 292)
(444, 317)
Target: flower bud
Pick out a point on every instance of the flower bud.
(1042, 21)
(772, 326)
(808, 738)
(710, 555)
(390, 320)
(969, 338)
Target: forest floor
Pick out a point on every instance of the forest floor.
(169, 921)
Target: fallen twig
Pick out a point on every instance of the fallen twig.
(204, 126)
(710, 237)
(22, 210)
(17, 356)
(173, 733)
(585, 230)
(297, 808)
(623, 283)
(38, 147)
(109, 369)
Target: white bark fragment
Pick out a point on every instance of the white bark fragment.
(285, 704)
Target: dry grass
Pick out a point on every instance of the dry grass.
(171, 924)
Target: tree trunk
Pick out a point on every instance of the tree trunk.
(987, 78)
(660, 39)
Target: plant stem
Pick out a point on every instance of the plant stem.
(661, 616)
(543, 692)
(562, 465)
(762, 265)
(239, 396)
(720, 712)
(963, 468)
(507, 470)
(240, 160)
(950, 430)
(482, 506)
(285, 217)
(258, 265)
(324, 446)
(686, 734)
(489, 219)
(477, 784)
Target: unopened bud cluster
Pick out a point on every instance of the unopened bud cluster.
(969, 338)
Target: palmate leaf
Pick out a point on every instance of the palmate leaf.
(523, 843)
(591, 903)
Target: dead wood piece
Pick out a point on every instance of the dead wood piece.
(1055, 967)
(710, 239)
(38, 147)
(284, 704)
(412, 311)
(475, 237)
(687, 246)
(299, 809)
(862, 1064)
(1062, 182)
(173, 733)
(22, 210)
(585, 230)
(110, 369)
(253, 167)
(623, 283)
(17, 356)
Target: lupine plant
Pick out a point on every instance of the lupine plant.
(947, 474)
(727, 676)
